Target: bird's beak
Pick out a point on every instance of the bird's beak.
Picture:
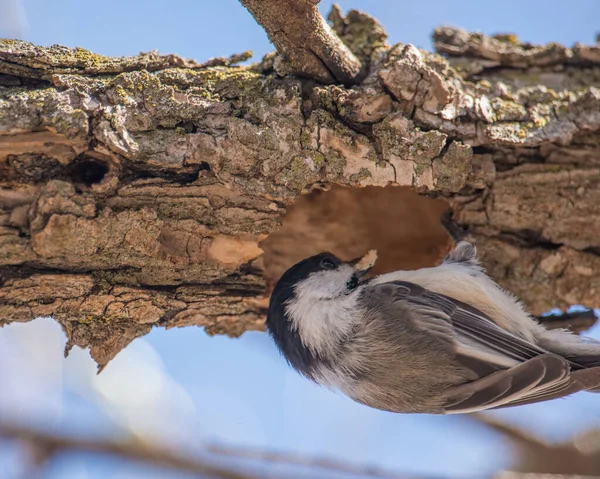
(359, 272)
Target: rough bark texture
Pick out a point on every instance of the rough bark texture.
(150, 190)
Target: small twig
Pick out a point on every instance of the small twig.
(227, 61)
(50, 445)
(307, 45)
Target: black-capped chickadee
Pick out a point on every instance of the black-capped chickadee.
(440, 340)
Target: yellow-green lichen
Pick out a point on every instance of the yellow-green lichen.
(336, 164)
(299, 173)
(362, 174)
(426, 146)
(362, 33)
(510, 38)
(450, 172)
(306, 138)
(541, 94)
(214, 83)
(88, 58)
(318, 159)
(69, 124)
(372, 156)
(507, 110)
(420, 168)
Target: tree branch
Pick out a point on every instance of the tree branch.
(299, 460)
(307, 45)
(503, 58)
(46, 445)
(130, 200)
(506, 50)
(538, 456)
(577, 321)
(23, 60)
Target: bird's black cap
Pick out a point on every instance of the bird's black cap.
(279, 325)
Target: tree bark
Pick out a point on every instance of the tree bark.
(150, 190)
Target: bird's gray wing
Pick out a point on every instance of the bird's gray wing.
(511, 369)
(476, 333)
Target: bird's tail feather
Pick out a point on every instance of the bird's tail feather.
(588, 378)
(581, 350)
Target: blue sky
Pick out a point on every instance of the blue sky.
(183, 387)
(203, 29)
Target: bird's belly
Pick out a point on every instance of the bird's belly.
(395, 391)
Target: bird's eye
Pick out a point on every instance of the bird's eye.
(327, 263)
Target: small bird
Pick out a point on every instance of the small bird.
(441, 340)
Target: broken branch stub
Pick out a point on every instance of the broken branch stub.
(135, 199)
(307, 46)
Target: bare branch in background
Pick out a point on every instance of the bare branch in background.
(299, 460)
(536, 455)
(530, 475)
(46, 445)
(307, 45)
(577, 321)
(43, 446)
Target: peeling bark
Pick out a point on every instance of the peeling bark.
(151, 190)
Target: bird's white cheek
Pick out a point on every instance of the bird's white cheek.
(322, 324)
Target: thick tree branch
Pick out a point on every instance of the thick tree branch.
(134, 199)
(308, 47)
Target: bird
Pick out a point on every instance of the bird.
(440, 340)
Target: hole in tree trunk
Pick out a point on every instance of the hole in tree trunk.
(88, 170)
(404, 227)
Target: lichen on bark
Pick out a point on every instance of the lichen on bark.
(150, 191)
